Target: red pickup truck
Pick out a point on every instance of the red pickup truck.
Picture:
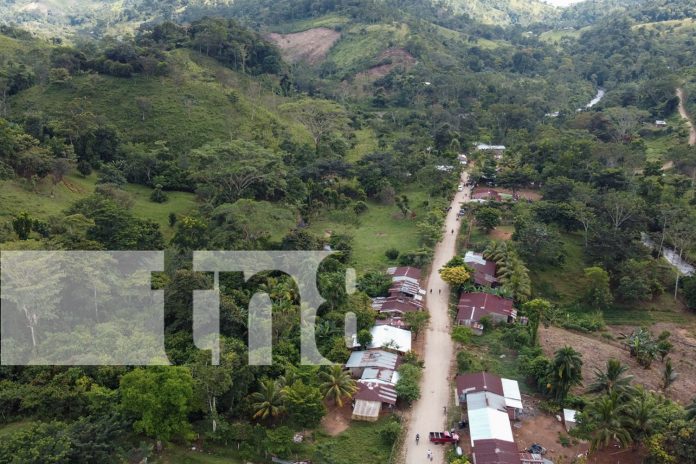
(440, 438)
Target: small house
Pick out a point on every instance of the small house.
(660, 123)
(376, 359)
(493, 451)
(484, 270)
(395, 306)
(405, 274)
(473, 307)
(390, 338)
(505, 390)
(368, 401)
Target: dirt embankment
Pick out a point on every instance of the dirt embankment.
(685, 115)
(596, 351)
(389, 59)
(310, 46)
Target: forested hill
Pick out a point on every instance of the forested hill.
(96, 18)
(641, 11)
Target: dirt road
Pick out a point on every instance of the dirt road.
(427, 414)
(685, 116)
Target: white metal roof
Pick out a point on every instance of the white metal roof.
(372, 358)
(489, 424)
(366, 410)
(569, 415)
(397, 339)
(511, 390)
(471, 257)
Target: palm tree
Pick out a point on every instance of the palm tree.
(268, 401)
(640, 414)
(605, 414)
(668, 375)
(612, 379)
(565, 372)
(337, 385)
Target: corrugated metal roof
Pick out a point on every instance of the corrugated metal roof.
(405, 271)
(375, 391)
(366, 410)
(489, 423)
(372, 358)
(388, 376)
(483, 400)
(569, 415)
(478, 382)
(397, 339)
(495, 452)
(511, 391)
(473, 306)
(396, 304)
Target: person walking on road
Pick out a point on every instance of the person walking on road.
(430, 455)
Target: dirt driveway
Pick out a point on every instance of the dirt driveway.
(427, 413)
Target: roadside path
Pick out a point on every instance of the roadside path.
(427, 413)
(685, 115)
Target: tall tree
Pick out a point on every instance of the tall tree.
(565, 372)
(160, 399)
(268, 402)
(337, 385)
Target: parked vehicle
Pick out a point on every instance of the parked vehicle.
(441, 438)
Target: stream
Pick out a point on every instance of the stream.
(671, 256)
(598, 98)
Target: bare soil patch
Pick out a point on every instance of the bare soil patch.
(525, 194)
(337, 419)
(597, 350)
(310, 46)
(498, 234)
(389, 59)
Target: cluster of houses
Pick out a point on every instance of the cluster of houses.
(491, 403)
(375, 366)
(474, 306)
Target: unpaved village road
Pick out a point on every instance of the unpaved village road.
(685, 115)
(427, 413)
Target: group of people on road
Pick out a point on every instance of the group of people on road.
(430, 452)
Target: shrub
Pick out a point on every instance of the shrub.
(467, 362)
(157, 195)
(390, 432)
(391, 254)
(408, 388)
(360, 208)
(84, 168)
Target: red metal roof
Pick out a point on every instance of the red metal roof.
(411, 272)
(495, 452)
(395, 304)
(479, 382)
(473, 306)
(484, 274)
(373, 391)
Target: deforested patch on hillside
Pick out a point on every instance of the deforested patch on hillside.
(388, 60)
(310, 46)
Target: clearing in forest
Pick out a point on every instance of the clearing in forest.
(310, 46)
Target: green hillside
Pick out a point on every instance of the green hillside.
(199, 101)
(504, 12)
